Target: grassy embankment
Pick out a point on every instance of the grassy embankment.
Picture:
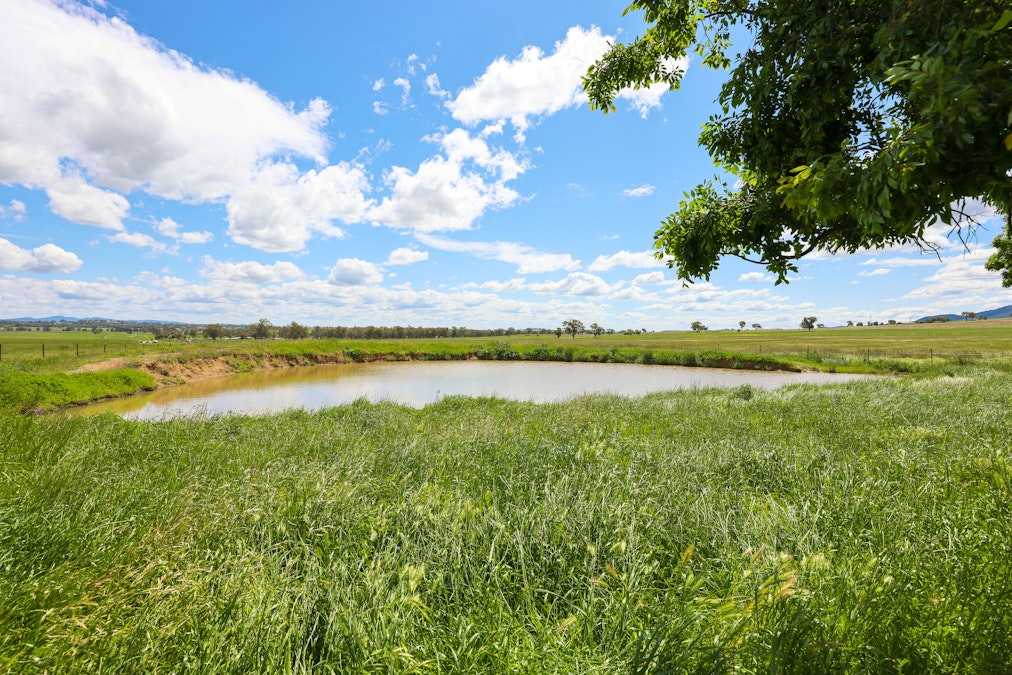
(903, 349)
(862, 527)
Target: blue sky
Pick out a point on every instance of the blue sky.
(421, 164)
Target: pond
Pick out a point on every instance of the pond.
(417, 384)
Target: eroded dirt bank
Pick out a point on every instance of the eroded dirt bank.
(169, 371)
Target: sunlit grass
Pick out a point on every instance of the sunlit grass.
(861, 527)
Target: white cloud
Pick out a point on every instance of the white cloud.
(641, 191)
(280, 209)
(71, 197)
(139, 240)
(433, 87)
(577, 283)
(963, 279)
(94, 111)
(405, 86)
(378, 84)
(903, 262)
(533, 84)
(873, 273)
(527, 259)
(750, 277)
(195, 237)
(250, 272)
(640, 260)
(16, 211)
(170, 228)
(645, 99)
(650, 278)
(406, 256)
(452, 190)
(511, 286)
(42, 260)
(354, 272)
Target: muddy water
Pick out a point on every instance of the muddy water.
(419, 383)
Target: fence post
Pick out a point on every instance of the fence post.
(77, 349)
(43, 350)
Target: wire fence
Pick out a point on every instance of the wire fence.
(43, 349)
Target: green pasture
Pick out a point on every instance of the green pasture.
(853, 528)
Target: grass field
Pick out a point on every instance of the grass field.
(860, 527)
(991, 338)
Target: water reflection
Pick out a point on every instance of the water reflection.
(417, 384)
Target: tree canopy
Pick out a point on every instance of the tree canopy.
(843, 125)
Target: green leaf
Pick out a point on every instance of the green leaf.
(1005, 20)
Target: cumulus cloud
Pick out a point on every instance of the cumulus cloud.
(354, 272)
(511, 286)
(139, 240)
(451, 190)
(577, 283)
(649, 278)
(250, 272)
(873, 273)
(71, 197)
(170, 228)
(15, 211)
(538, 84)
(280, 209)
(639, 260)
(45, 259)
(406, 256)
(532, 84)
(754, 277)
(645, 99)
(527, 259)
(95, 111)
(641, 191)
(962, 277)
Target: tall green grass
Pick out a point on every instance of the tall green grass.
(861, 527)
(25, 390)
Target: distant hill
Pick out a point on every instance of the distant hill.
(1000, 313)
(74, 319)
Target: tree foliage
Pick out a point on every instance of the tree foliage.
(573, 326)
(808, 322)
(698, 326)
(842, 125)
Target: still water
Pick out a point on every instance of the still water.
(419, 383)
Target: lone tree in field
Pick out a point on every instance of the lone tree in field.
(808, 322)
(757, 326)
(698, 327)
(597, 330)
(573, 326)
(214, 331)
(741, 325)
(262, 330)
(968, 316)
(842, 125)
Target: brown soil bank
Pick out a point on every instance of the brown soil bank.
(170, 370)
